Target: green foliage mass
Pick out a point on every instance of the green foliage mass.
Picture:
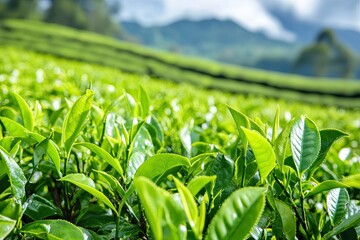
(86, 153)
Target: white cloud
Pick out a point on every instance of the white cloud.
(250, 14)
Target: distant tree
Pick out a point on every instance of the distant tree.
(92, 15)
(326, 57)
(19, 9)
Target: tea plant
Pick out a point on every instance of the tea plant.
(87, 172)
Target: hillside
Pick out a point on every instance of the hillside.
(219, 40)
(90, 47)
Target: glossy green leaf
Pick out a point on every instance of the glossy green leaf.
(241, 121)
(352, 180)
(15, 174)
(75, 119)
(163, 214)
(190, 208)
(237, 215)
(264, 154)
(305, 143)
(90, 235)
(141, 149)
(88, 185)
(326, 185)
(337, 203)
(160, 164)
(345, 224)
(25, 112)
(104, 155)
(199, 182)
(287, 218)
(53, 229)
(328, 137)
(39, 208)
(6, 226)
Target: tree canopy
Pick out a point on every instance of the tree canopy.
(327, 57)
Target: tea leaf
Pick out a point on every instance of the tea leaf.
(75, 119)
(264, 154)
(25, 112)
(305, 144)
(88, 185)
(237, 215)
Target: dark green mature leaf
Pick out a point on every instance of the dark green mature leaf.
(352, 180)
(223, 168)
(75, 119)
(337, 204)
(25, 112)
(328, 137)
(104, 155)
(15, 174)
(287, 218)
(6, 226)
(159, 164)
(326, 185)
(238, 214)
(345, 224)
(162, 212)
(88, 185)
(305, 143)
(264, 154)
(53, 229)
(39, 208)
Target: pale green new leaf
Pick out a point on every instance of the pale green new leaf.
(53, 229)
(199, 182)
(15, 174)
(88, 185)
(104, 155)
(160, 164)
(352, 180)
(305, 143)
(6, 226)
(75, 119)
(326, 185)
(165, 218)
(337, 203)
(264, 154)
(190, 208)
(144, 102)
(287, 218)
(13, 128)
(26, 114)
(238, 215)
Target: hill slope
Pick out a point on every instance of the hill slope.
(89, 47)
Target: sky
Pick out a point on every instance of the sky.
(254, 15)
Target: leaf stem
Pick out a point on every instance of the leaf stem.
(294, 206)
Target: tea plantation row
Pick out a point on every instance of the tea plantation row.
(88, 152)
